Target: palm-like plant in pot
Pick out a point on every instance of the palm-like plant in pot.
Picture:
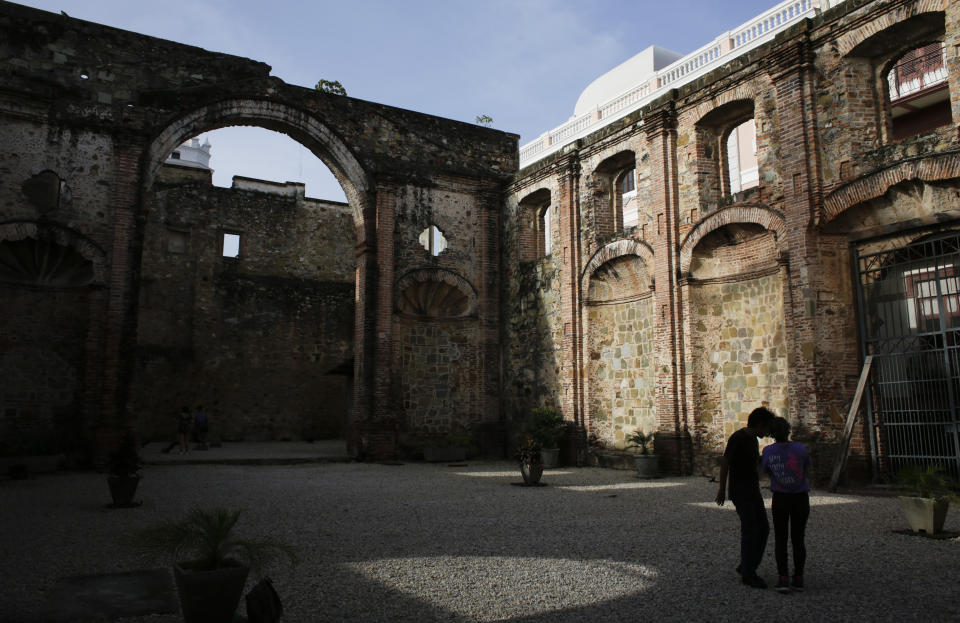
(210, 560)
(646, 462)
(928, 493)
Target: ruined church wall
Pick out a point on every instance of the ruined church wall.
(264, 341)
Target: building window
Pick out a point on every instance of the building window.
(918, 91)
(742, 157)
(928, 287)
(433, 240)
(231, 245)
(175, 155)
(546, 236)
(533, 238)
(630, 207)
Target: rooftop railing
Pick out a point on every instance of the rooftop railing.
(721, 50)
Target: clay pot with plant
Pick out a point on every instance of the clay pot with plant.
(646, 462)
(546, 426)
(529, 453)
(927, 495)
(210, 560)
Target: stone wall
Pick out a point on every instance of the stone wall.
(263, 341)
(752, 300)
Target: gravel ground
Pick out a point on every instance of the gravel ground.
(424, 542)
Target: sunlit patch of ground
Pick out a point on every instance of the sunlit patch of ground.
(815, 500)
(498, 587)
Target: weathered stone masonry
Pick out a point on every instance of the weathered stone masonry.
(710, 304)
(716, 303)
(100, 109)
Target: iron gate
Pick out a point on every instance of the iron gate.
(909, 314)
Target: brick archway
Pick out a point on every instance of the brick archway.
(304, 128)
(611, 251)
(767, 218)
(931, 169)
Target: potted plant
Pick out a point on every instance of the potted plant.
(210, 561)
(547, 427)
(123, 473)
(928, 494)
(646, 463)
(529, 453)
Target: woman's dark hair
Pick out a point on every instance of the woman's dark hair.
(761, 416)
(780, 429)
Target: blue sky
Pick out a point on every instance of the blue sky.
(522, 62)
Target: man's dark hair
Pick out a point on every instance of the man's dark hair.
(761, 416)
(780, 429)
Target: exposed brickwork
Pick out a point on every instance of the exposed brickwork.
(101, 109)
(753, 298)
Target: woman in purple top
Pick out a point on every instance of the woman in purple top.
(788, 464)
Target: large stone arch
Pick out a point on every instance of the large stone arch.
(300, 125)
(768, 218)
(619, 341)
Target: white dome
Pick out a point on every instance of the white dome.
(624, 77)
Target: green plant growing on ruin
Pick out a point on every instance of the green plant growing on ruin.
(332, 87)
(484, 120)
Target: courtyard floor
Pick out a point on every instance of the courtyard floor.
(460, 543)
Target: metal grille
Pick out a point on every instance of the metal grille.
(909, 303)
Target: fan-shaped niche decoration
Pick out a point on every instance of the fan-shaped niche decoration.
(48, 256)
(435, 293)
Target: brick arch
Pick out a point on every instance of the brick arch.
(301, 126)
(768, 218)
(611, 251)
(64, 236)
(931, 169)
(848, 42)
(746, 91)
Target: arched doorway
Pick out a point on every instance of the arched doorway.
(247, 297)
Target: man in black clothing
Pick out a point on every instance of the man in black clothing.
(741, 462)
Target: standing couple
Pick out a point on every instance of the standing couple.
(788, 465)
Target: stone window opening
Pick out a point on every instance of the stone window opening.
(918, 94)
(535, 226)
(617, 208)
(546, 232)
(741, 158)
(628, 207)
(433, 240)
(230, 245)
(727, 154)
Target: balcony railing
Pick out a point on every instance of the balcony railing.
(917, 71)
(721, 50)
